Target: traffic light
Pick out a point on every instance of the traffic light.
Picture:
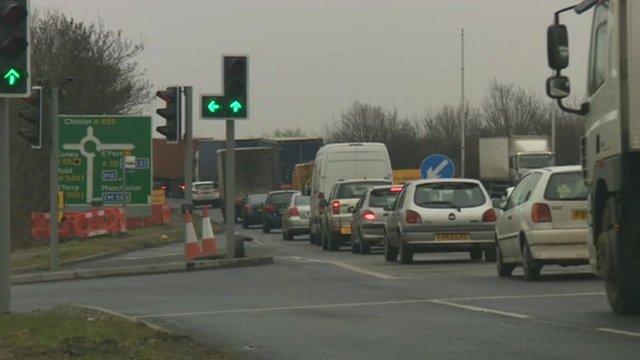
(14, 48)
(235, 86)
(172, 112)
(33, 116)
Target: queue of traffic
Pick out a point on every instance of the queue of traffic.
(351, 201)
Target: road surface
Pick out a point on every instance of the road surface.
(320, 305)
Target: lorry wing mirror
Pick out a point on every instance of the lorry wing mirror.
(558, 87)
(557, 47)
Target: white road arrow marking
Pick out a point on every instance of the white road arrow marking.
(435, 173)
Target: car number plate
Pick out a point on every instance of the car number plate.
(345, 230)
(579, 215)
(453, 237)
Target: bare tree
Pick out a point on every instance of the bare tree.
(512, 110)
(366, 123)
(108, 80)
(288, 133)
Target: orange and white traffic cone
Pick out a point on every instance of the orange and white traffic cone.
(209, 247)
(191, 246)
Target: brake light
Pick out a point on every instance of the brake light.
(412, 217)
(489, 216)
(540, 213)
(248, 209)
(396, 189)
(182, 187)
(270, 208)
(368, 215)
(335, 207)
(294, 211)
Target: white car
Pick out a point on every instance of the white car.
(204, 192)
(544, 222)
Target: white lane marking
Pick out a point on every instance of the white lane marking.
(349, 305)
(360, 270)
(530, 296)
(480, 309)
(151, 256)
(287, 308)
(619, 332)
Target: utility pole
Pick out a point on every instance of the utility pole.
(5, 209)
(553, 128)
(51, 103)
(463, 116)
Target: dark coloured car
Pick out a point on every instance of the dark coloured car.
(251, 213)
(276, 204)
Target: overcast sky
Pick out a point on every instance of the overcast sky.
(310, 59)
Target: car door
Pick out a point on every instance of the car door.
(394, 219)
(506, 228)
(519, 216)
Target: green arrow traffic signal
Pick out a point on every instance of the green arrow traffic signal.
(213, 106)
(11, 77)
(235, 106)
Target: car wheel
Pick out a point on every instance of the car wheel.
(475, 254)
(324, 241)
(620, 264)
(529, 264)
(390, 252)
(355, 249)
(504, 270)
(404, 252)
(313, 238)
(364, 248)
(284, 235)
(490, 254)
(334, 243)
(245, 224)
(266, 228)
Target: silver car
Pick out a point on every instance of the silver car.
(369, 218)
(295, 220)
(441, 215)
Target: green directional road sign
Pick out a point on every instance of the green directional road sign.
(91, 156)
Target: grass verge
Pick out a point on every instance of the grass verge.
(66, 332)
(37, 258)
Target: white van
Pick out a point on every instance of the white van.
(336, 162)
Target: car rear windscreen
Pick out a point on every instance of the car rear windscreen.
(280, 198)
(355, 190)
(566, 186)
(382, 197)
(449, 195)
(256, 199)
(302, 200)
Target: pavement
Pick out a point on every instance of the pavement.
(316, 305)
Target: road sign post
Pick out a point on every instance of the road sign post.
(437, 166)
(5, 210)
(51, 103)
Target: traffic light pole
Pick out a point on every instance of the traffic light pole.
(5, 210)
(51, 103)
(188, 152)
(230, 190)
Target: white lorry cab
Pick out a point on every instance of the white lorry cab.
(345, 161)
(611, 141)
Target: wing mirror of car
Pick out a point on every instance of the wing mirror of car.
(324, 202)
(557, 47)
(558, 87)
(351, 209)
(388, 208)
(498, 203)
